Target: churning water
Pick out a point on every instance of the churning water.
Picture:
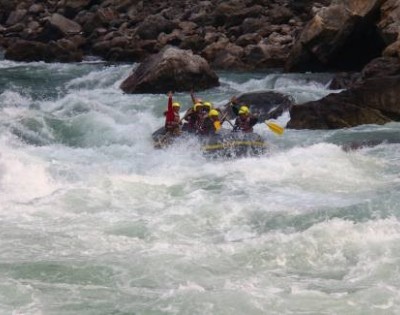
(94, 221)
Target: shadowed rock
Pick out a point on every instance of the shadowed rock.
(172, 69)
(342, 36)
(373, 102)
(62, 51)
(265, 104)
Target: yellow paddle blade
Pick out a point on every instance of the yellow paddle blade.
(275, 128)
(217, 125)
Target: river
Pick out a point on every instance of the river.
(95, 221)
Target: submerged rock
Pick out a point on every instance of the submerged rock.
(265, 104)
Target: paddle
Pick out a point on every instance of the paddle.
(275, 127)
(223, 119)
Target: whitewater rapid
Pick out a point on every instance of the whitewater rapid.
(94, 220)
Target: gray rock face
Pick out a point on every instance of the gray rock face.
(342, 36)
(64, 25)
(373, 99)
(172, 69)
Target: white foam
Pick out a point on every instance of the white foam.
(23, 177)
(14, 99)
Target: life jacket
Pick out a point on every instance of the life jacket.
(191, 118)
(201, 117)
(173, 126)
(245, 123)
(209, 127)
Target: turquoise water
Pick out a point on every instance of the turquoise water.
(93, 220)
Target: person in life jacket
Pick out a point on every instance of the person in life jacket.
(207, 106)
(245, 120)
(235, 105)
(211, 123)
(173, 126)
(193, 116)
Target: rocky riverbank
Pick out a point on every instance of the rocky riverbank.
(240, 35)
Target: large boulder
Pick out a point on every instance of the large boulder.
(379, 67)
(334, 111)
(343, 36)
(373, 100)
(389, 23)
(58, 26)
(172, 69)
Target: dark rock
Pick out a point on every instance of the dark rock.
(381, 67)
(171, 70)
(175, 38)
(58, 26)
(343, 36)
(187, 27)
(229, 57)
(61, 51)
(107, 16)
(15, 17)
(193, 42)
(73, 7)
(231, 14)
(101, 48)
(6, 7)
(151, 27)
(373, 102)
(248, 39)
(332, 113)
(98, 19)
(266, 104)
(389, 23)
(393, 50)
(377, 68)
(266, 56)
(344, 80)
(36, 8)
(150, 46)
(211, 51)
(304, 6)
(280, 15)
(124, 54)
(16, 28)
(252, 25)
(201, 13)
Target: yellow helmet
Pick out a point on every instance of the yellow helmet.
(244, 110)
(213, 112)
(176, 104)
(197, 105)
(208, 104)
